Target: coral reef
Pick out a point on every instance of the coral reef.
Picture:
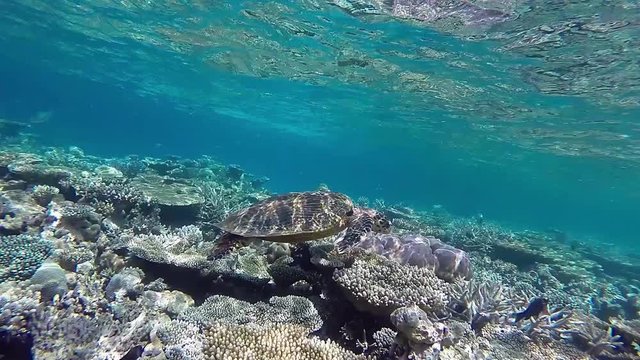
(222, 309)
(416, 330)
(448, 262)
(380, 286)
(280, 341)
(21, 255)
(111, 259)
(179, 247)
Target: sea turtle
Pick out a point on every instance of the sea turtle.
(302, 216)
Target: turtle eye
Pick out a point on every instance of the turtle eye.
(349, 212)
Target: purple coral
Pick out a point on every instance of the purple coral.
(447, 261)
(452, 262)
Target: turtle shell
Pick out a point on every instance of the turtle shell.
(292, 217)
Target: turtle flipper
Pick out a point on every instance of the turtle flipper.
(226, 243)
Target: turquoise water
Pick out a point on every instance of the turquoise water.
(533, 121)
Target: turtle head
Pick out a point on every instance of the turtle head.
(363, 222)
(380, 223)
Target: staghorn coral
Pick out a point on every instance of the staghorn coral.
(224, 309)
(474, 300)
(548, 327)
(21, 255)
(507, 342)
(379, 286)
(220, 201)
(279, 341)
(591, 335)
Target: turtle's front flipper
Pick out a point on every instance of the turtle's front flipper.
(351, 237)
(226, 243)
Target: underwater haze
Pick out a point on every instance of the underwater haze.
(527, 112)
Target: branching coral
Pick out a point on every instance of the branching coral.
(43, 194)
(501, 341)
(475, 299)
(548, 327)
(182, 340)
(279, 341)
(591, 338)
(80, 220)
(379, 286)
(21, 255)
(220, 201)
(95, 191)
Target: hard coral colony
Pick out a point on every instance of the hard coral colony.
(120, 259)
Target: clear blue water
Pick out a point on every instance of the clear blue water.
(531, 125)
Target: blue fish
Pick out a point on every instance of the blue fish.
(536, 307)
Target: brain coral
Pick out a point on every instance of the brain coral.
(379, 286)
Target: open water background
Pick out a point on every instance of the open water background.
(530, 125)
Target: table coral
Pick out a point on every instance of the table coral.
(289, 309)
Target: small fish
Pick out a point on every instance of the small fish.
(479, 321)
(134, 353)
(536, 307)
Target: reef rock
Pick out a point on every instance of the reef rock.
(19, 213)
